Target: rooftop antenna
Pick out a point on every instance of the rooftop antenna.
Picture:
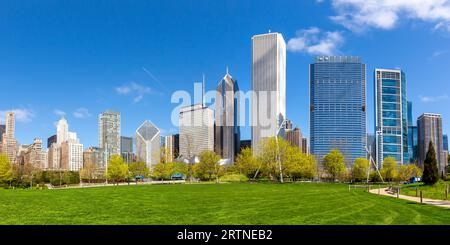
(227, 71)
(270, 31)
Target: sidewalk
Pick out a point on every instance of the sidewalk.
(439, 203)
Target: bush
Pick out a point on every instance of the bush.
(234, 178)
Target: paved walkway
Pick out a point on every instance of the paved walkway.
(386, 192)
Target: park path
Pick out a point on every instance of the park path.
(386, 192)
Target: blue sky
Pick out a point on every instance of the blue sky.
(80, 58)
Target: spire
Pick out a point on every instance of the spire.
(227, 71)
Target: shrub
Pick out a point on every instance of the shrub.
(234, 178)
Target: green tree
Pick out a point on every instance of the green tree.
(334, 164)
(117, 169)
(6, 171)
(299, 165)
(272, 153)
(161, 171)
(389, 171)
(209, 167)
(246, 163)
(139, 169)
(88, 172)
(360, 169)
(430, 167)
(407, 171)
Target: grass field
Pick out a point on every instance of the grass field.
(222, 204)
(436, 191)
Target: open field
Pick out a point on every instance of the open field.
(192, 204)
(434, 192)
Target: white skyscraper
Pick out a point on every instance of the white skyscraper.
(268, 85)
(62, 131)
(67, 154)
(148, 144)
(196, 130)
(9, 144)
(109, 132)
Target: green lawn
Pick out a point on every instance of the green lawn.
(434, 192)
(222, 204)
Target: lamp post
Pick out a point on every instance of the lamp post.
(278, 149)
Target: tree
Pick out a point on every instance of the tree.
(389, 171)
(117, 169)
(405, 172)
(29, 171)
(88, 172)
(246, 163)
(139, 169)
(209, 167)
(360, 169)
(165, 171)
(6, 171)
(334, 163)
(299, 165)
(270, 151)
(430, 167)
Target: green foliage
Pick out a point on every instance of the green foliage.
(430, 166)
(6, 171)
(139, 169)
(389, 171)
(374, 177)
(334, 164)
(165, 171)
(246, 164)
(406, 172)
(234, 178)
(299, 165)
(209, 167)
(117, 169)
(270, 151)
(360, 169)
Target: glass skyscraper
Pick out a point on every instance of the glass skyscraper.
(412, 136)
(338, 107)
(391, 112)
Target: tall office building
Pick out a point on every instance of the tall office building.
(268, 103)
(338, 107)
(391, 116)
(430, 129)
(445, 137)
(148, 144)
(62, 131)
(9, 144)
(412, 136)
(196, 130)
(2, 131)
(294, 137)
(109, 132)
(227, 135)
(168, 148)
(35, 155)
(94, 156)
(71, 153)
(52, 140)
(305, 146)
(126, 148)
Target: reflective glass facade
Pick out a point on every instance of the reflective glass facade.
(391, 113)
(338, 107)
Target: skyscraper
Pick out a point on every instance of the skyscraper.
(268, 103)
(196, 130)
(391, 116)
(51, 140)
(148, 144)
(430, 129)
(62, 131)
(228, 135)
(9, 145)
(338, 107)
(294, 137)
(126, 148)
(445, 137)
(109, 132)
(412, 136)
(2, 131)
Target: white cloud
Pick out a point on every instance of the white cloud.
(20, 115)
(432, 99)
(439, 53)
(59, 113)
(81, 113)
(313, 41)
(360, 15)
(135, 90)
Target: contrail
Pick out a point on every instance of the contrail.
(155, 79)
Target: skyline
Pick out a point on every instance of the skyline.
(53, 61)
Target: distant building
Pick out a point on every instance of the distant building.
(94, 156)
(391, 125)
(71, 155)
(196, 130)
(109, 132)
(305, 146)
(412, 136)
(9, 144)
(62, 131)
(67, 153)
(126, 148)
(227, 130)
(294, 137)
(430, 129)
(445, 137)
(371, 146)
(268, 103)
(338, 107)
(148, 144)
(53, 157)
(35, 155)
(2, 131)
(52, 140)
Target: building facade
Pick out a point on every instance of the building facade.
(126, 149)
(148, 144)
(391, 116)
(268, 102)
(412, 136)
(71, 155)
(35, 155)
(109, 132)
(430, 130)
(338, 107)
(305, 146)
(227, 134)
(196, 130)
(94, 156)
(52, 140)
(9, 144)
(294, 137)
